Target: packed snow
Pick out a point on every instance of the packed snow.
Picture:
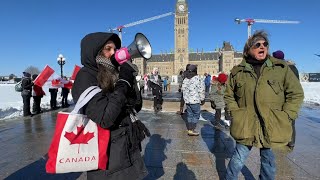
(11, 101)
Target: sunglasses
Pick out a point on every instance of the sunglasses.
(257, 45)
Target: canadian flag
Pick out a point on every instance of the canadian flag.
(75, 72)
(48, 78)
(58, 82)
(43, 76)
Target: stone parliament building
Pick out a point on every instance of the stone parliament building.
(170, 64)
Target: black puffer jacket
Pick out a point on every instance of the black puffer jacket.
(26, 84)
(109, 111)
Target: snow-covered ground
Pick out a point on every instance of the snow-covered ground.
(11, 101)
(11, 104)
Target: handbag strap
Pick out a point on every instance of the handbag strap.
(85, 97)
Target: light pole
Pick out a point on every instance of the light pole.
(61, 61)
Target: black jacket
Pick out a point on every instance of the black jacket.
(109, 111)
(26, 85)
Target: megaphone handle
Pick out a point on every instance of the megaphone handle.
(135, 67)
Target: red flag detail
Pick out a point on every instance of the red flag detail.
(80, 137)
(56, 83)
(75, 72)
(68, 85)
(44, 76)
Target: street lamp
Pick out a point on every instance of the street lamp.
(61, 62)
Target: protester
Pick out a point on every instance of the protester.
(140, 81)
(180, 80)
(216, 95)
(264, 96)
(64, 93)
(181, 77)
(169, 83)
(207, 82)
(26, 85)
(53, 97)
(37, 94)
(156, 86)
(115, 107)
(165, 84)
(145, 78)
(280, 55)
(193, 93)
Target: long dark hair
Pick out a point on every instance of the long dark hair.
(106, 79)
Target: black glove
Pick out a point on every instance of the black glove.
(126, 74)
(143, 131)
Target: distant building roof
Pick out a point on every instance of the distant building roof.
(227, 46)
(238, 54)
(203, 56)
(162, 58)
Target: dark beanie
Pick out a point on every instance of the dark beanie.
(191, 67)
(278, 54)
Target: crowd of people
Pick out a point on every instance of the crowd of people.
(36, 92)
(260, 98)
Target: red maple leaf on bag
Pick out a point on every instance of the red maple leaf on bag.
(80, 137)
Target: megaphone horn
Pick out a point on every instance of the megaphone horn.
(140, 47)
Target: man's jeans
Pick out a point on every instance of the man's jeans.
(240, 154)
(193, 113)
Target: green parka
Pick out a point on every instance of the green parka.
(263, 108)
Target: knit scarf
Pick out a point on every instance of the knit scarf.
(106, 63)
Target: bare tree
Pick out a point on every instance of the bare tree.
(32, 70)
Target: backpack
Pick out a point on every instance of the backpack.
(18, 87)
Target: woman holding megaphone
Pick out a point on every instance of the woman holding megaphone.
(115, 107)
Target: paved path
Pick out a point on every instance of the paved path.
(169, 153)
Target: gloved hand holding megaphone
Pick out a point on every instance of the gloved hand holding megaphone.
(122, 55)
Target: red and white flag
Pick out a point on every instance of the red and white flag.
(75, 72)
(58, 82)
(44, 76)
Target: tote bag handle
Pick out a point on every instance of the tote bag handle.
(85, 97)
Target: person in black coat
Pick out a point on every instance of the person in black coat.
(280, 55)
(26, 85)
(114, 107)
(53, 97)
(155, 83)
(64, 93)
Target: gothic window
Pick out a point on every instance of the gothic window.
(181, 58)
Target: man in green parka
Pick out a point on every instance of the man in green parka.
(264, 97)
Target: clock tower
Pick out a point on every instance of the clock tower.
(181, 36)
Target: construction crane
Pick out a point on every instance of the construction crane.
(251, 21)
(119, 28)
